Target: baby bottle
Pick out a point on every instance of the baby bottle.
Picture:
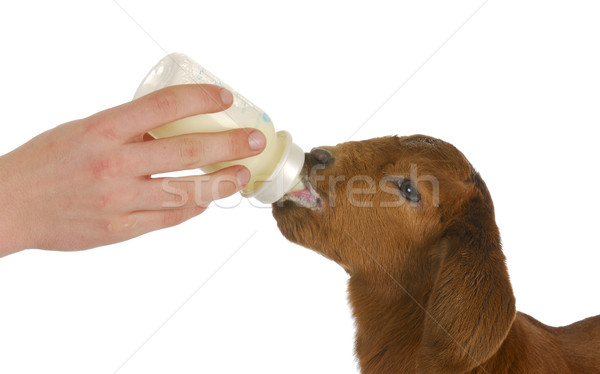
(273, 172)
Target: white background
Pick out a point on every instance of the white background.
(516, 88)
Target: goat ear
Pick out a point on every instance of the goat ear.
(471, 307)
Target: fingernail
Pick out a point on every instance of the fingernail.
(243, 176)
(256, 140)
(226, 97)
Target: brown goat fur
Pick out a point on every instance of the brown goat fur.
(428, 283)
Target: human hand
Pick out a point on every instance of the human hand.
(87, 183)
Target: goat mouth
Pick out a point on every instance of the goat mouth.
(307, 197)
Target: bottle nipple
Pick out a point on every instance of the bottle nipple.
(299, 186)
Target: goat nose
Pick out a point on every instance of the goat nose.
(322, 156)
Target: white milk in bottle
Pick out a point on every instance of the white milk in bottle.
(274, 172)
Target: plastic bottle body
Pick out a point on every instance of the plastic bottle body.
(274, 172)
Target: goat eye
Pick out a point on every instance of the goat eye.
(409, 191)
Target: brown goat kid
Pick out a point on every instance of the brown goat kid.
(413, 224)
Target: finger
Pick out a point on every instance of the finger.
(137, 223)
(131, 120)
(191, 191)
(141, 222)
(192, 151)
